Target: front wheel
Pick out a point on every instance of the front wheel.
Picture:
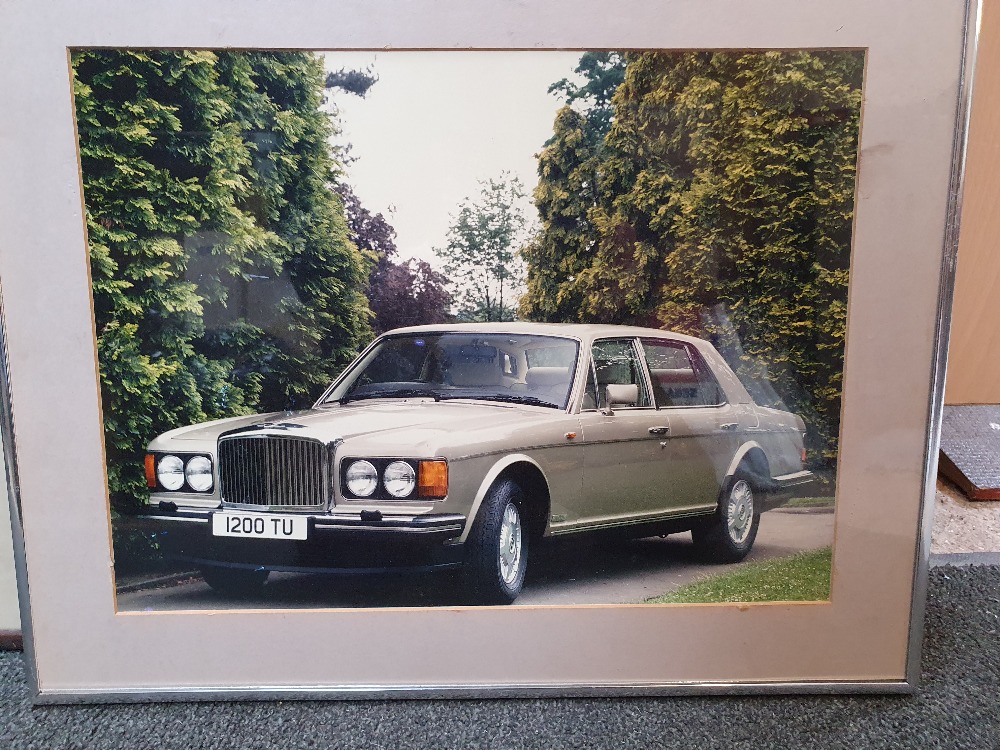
(497, 547)
(730, 534)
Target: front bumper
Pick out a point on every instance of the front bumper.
(349, 542)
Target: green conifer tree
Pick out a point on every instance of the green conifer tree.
(569, 171)
(725, 199)
(224, 281)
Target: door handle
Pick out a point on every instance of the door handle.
(659, 430)
(729, 425)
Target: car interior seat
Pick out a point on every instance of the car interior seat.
(472, 374)
(675, 386)
(547, 383)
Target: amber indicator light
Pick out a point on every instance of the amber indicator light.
(150, 471)
(432, 479)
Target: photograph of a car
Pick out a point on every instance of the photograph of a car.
(466, 445)
(557, 339)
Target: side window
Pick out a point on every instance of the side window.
(616, 361)
(680, 377)
(590, 395)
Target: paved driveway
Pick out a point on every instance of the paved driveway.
(570, 572)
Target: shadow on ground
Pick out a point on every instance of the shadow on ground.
(572, 571)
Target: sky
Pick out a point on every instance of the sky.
(435, 123)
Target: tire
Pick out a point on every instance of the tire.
(729, 536)
(234, 582)
(497, 548)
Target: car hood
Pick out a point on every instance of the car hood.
(413, 424)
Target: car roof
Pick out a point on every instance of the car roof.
(582, 331)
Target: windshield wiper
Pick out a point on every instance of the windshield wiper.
(507, 398)
(390, 393)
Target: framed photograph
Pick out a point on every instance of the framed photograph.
(475, 349)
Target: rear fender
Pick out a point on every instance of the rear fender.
(759, 467)
(740, 455)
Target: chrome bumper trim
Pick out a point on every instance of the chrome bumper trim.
(432, 523)
(792, 480)
(435, 529)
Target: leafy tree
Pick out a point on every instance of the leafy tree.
(408, 294)
(399, 293)
(294, 318)
(160, 163)
(569, 171)
(356, 82)
(224, 280)
(763, 228)
(723, 209)
(481, 257)
(566, 193)
(602, 73)
(370, 232)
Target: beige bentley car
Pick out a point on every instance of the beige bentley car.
(465, 445)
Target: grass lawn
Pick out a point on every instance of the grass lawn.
(803, 577)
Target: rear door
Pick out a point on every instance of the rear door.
(704, 428)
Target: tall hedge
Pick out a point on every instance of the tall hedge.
(223, 278)
(725, 197)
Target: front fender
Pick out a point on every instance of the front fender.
(491, 476)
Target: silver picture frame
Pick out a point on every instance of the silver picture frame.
(79, 648)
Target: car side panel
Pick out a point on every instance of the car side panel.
(702, 442)
(549, 448)
(622, 463)
(780, 435)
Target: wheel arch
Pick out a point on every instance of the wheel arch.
(529, 475)
(751, 454)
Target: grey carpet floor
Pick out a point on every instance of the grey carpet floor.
(958, 706)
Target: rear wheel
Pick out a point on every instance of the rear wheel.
(234, 581)
(497, 547)
(730, 534)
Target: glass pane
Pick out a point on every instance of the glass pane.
(590, 395)
(677, 379)
(466, 366)
(616, 363)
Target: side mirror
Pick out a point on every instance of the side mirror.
(620, 394)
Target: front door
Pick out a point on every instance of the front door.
(704, 428)
(623, 453)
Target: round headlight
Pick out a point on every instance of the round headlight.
(361, 478)
(198, 473)
(399, 479)
(170, 472)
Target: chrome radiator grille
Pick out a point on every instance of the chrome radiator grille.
(272, 472)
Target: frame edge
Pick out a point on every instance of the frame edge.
(7, 445)
(946, 294)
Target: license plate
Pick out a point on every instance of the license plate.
(260, 525)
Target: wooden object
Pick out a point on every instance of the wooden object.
(974, 358)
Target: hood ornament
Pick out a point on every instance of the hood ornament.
(263, 426)
(280, 425)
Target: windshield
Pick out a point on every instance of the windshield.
(535, 370)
